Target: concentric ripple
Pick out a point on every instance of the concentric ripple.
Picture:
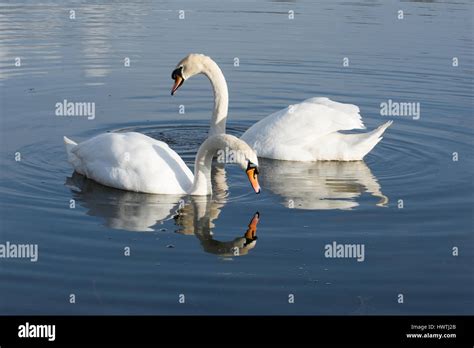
(401, 160)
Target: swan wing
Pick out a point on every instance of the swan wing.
(310, 119)
(292, 133)
(132, 161)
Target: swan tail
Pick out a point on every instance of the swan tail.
(71, 157)
(377, 132)
(371, 139)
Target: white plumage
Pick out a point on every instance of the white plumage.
(135, 162)
(131, 161)
(310, 131)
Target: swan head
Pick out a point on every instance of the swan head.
(189, 66)
(252, 174)
(249, 162)
(230, 149)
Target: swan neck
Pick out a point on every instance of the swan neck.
(202, 170)
(221, 98)
(202, 166)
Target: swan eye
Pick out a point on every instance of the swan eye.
(177, 72)
(252, 166)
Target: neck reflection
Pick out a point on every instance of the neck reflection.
(197, 218)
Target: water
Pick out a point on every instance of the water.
(184, 245)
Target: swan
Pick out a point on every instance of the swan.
(308, 131)
(135, 162)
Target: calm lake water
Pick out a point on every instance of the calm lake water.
(185, 245)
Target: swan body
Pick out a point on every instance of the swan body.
(135, 162)
(308, 131)
(131, 161)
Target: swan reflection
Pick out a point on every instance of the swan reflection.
(197, 218)
(320, 185)
(193, 215)
(123, 210)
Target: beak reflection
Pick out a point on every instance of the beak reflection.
(251, 234)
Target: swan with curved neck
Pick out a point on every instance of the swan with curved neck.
(308, 131)
(135, 162)
(195, 64)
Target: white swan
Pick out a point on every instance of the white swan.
(308, 131)
(135, 162)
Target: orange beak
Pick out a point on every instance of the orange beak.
(250, 235)
(252, 174)
(178, 81)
